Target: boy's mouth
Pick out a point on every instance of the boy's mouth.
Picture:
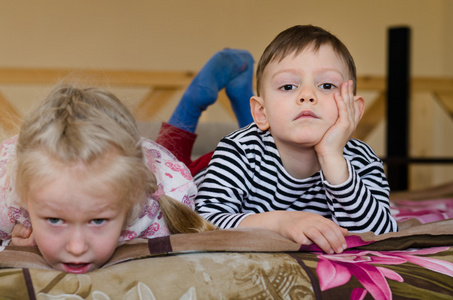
(77, 268)
(306, 114)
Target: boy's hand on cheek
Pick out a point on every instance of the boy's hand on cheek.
(338, 135)
(22, 236)
(330, 148)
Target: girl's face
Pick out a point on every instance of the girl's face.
(77, 220)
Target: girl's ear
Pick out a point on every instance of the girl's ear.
(359, 107)
(259, 113)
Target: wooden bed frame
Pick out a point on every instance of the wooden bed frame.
(163, 86)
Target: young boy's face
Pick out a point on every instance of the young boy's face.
(297, 96)
(75, 226)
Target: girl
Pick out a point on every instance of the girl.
(80, 175)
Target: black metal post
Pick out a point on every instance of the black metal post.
(398, 94)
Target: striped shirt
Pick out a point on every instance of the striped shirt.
(246, 176)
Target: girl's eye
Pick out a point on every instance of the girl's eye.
(288, 87)
(98, 221)
(327, 86)
(55, 221)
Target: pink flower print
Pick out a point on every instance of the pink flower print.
(14, 214)
(186, 201)
(155, 153)
(150, 210)
(336, 269)
(152, 154)
(27, 223)
(358, 293)
(150, 162)
(24, 213)
(425, 211)
(2, 168)
(3, 235)
(169, 175)
(128, 235)
(18, 214)
(150, 231)
(11, 140)
(177, 167)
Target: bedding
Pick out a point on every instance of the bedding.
(414, 263)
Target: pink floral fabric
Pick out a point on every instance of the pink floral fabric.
(173, 179)
(425, 211)
(369, 268)
(172, 176)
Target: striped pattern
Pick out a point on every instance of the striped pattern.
(246, 176)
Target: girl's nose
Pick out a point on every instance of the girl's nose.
(77, 244)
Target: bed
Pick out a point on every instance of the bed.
(414, 263)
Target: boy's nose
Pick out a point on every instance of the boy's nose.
(309, 99)
(77, 244)
(307, 95)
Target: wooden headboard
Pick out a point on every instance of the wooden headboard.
(162, 86)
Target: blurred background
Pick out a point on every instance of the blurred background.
(181, 35)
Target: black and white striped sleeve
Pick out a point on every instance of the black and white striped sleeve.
(224, 186)
(361, 204)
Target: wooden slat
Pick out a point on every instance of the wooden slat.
(110, 77)
(371, 118)
(176, 78)
(10, 118)
(153, 102)
(446, 101)
(371, 83)
(435, 84)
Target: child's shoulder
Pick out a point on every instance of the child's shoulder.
(249, 141)
(155, 150)
(248, 133)
(162, 161)
(358, 150)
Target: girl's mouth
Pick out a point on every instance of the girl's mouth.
(77, 268)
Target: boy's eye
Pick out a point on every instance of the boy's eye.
(288, 87)
(98, 221)
(327, 86)
(55, 221)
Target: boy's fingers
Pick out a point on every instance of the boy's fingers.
(330, 238)
(321, 241)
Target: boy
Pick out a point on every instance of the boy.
(296, 170)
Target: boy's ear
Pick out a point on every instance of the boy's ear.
(259, 113)
(359, 107)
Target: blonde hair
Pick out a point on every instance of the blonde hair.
(84, 125)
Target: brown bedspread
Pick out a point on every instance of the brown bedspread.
(416, 262)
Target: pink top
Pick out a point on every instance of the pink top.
(172, 176)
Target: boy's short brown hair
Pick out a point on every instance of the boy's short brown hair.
(294, 40)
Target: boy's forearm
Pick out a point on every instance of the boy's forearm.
(268, 220)
(334, 168)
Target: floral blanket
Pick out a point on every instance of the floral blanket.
(414, 263)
